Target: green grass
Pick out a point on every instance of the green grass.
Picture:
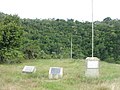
(12, 78)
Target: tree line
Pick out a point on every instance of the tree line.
(51, 38)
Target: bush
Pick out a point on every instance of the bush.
(11, 56)
(110, 60)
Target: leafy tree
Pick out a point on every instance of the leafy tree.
(10, 38)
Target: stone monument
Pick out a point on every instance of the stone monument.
(55, 72)
(92, 67)
(29, 69)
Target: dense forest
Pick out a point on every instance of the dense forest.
(51, 38)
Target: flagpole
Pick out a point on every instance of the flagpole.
(92, 32)
(92, 61)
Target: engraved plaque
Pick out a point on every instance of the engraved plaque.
(29, 69)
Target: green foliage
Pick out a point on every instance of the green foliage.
(12, 56)
(10, 39)
(31, 50)
(54, 38)
(51, 38)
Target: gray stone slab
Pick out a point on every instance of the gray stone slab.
(29, 69)
(55, 72)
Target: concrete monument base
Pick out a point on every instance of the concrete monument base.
(92, 67)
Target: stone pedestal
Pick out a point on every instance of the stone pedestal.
(92, 67)
(55, 72)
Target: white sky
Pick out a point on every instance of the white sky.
(62, 9)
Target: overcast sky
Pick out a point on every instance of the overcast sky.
(62, 9)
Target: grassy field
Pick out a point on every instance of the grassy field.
(12, 78)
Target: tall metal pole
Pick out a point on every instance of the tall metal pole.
(92, 32)
(71, 47)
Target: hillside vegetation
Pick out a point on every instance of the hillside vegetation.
(12, 78)
(50, 38)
